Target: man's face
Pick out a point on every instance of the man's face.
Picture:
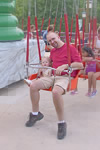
(53, 39)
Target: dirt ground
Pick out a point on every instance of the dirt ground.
(81, 113)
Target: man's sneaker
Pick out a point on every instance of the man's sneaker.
(33, 118)
(61, 130)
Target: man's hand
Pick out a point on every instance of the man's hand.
(60, 69)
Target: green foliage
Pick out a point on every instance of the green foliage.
(22, 11)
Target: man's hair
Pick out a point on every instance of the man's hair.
(51, 32)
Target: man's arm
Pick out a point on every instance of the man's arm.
(78, 65)
(60, 69)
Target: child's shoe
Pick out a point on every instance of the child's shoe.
(73, 92)
(94, 93)
(88, 94)
(28, 82)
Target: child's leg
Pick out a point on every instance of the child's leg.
(90, 75)
(95, 76)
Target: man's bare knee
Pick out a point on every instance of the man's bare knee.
(33, 86)
(56, 92)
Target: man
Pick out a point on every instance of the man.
(59, 83)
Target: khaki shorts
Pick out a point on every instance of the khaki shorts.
(61, 81)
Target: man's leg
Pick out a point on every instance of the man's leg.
(35, 96)
(90, 75)
(59, 106)
(58, 102)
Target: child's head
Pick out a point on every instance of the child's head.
(81, 34)
(87, 52)
(50, 27)
(46, 61)
(32, 28)
(57, 32)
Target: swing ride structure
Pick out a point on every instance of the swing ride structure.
(68, 36)
(71, 86)
(82, 114)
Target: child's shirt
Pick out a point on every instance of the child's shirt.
(90, 66)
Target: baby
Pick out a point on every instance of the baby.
(45, 62)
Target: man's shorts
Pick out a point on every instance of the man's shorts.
(61, 81)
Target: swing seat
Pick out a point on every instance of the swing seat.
(71, 86)
(34, 76)
(86, 77)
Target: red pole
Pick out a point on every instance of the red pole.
(71, 29)
(37, 35)
(42, 24)
(93, 33)
(49, 23)
(94, 30)
(28, 35)
(67, 37)
(90, 32)
(78, 34)
(95, 26)
(83, 30)
(60, 25)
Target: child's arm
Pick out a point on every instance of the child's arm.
(49, 72)
(86, 59)
(40, 74)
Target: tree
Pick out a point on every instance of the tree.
(22, 11)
